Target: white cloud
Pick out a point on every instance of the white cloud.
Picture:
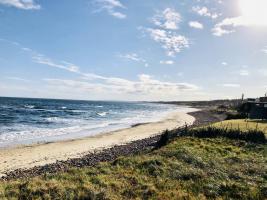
(224, 63)
(134, 57)
(227, 25)
(170, 41)
(21, 4)
(165, 32)
(111, 7)
(167, 19)
(232, 85)
(204, 11)
(41, 59)
(253, 13)
(196, 24)
(145, 87)
(167, 62)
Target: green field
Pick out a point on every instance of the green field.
(187, 168)
(244, 125)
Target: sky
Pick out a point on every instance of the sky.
(133, 49)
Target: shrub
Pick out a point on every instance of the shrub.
(163, 141)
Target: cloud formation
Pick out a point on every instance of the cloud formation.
(21, 4)
(111, 7)
(166, 62)
(253, 13)
(227, 25)
(167, 19)
(165, 33)
(145, 87)
(134, 57)
(41, 59)
(204, 11)
(196, 25)
(172, 42)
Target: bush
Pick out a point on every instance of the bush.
(164, 139)
(230, 116)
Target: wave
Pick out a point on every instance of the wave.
(29, 106)
(102, 114)
(50, 120)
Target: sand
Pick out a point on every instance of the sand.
(25, 157)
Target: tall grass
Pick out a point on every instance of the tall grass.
(251, 135)
(254, 135)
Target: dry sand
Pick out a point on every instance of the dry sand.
(25, 157)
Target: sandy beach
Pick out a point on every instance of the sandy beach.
(25, 157)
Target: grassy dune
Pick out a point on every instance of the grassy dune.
(244, 125)
(187, 168)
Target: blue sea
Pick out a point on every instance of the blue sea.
(27, 121)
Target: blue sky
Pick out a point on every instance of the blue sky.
(133, 49)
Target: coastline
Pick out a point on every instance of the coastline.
(38, 155)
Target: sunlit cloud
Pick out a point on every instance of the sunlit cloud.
(253, 13)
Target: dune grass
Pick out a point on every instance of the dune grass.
(244, 125)
(186, 168)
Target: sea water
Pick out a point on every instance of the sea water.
(27, 121)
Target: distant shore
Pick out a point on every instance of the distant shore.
(26, 157)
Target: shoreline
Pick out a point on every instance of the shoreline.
(31, 156)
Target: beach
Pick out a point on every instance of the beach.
(26, 157)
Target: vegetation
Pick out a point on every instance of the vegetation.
(185, 168)
(213, 132)
(243, 125)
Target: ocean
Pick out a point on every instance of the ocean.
(27, 121)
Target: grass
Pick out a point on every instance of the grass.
(185, 168)
(243, 125)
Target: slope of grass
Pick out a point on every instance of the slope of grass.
(244, 125)
(187, 168)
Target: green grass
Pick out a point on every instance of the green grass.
(187, 168)
(244, 125)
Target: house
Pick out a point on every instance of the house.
(257, 109)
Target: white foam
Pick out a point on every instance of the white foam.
(77, 128)
(102, 114)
